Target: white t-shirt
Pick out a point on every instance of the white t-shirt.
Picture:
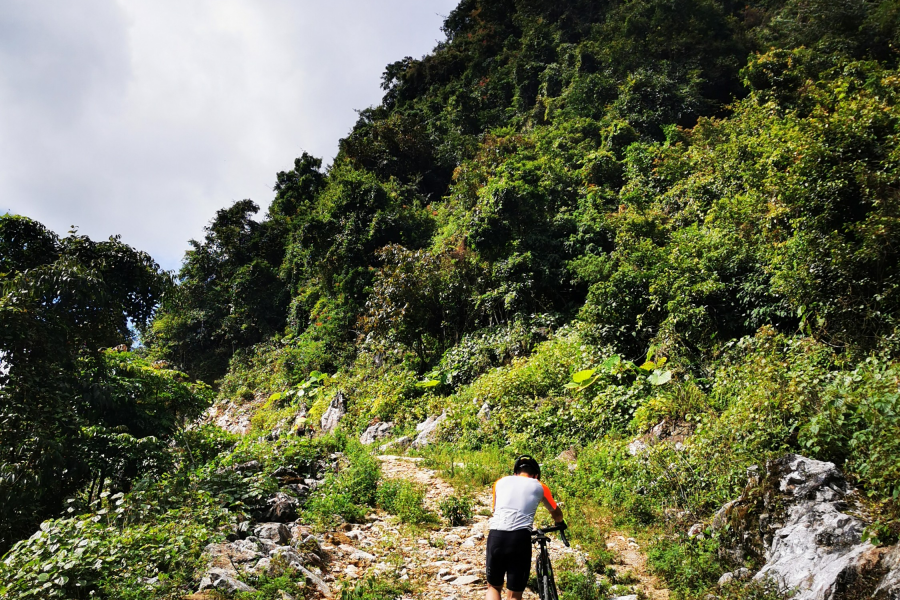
(516, 499)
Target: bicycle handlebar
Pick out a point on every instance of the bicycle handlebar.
(560, 527)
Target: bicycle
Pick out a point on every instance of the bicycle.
(546, 585)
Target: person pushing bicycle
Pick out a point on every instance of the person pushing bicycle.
(516, 498)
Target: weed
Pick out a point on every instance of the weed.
(457, 510)
(374, 588)
(404, 499)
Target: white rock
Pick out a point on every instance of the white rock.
(363, 556)
(337, 408)
(636, 447)
(816, 547)
(276, 533)
(725, 579)
(262, 566)
(427, 429)
(222, 580)
(468, 579)
(400, 442)
(375, 433)
(484, 413)
(316, 581)
(890, 584)
(289, 555)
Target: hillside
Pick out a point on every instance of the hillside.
(653, 243)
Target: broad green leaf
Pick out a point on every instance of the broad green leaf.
(429, 383)
(660, 377)
(582, 376)
(648, 366)
(611, 362)
(571, 385)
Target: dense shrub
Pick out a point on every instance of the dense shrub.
(405, 499)
(349, 492)
(857, 426)
(457, 510)
(111, 550)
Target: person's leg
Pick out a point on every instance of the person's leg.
(492, 593)
(494, 567)
(518, 564)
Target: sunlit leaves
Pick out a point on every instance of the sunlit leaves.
(660, 377)
(582, 376)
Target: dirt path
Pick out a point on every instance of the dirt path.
(448, 563)
(630, 558)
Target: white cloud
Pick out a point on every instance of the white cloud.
(143, 118)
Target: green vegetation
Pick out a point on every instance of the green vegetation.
(376, 589)
(75, 416)
(457, 510)
(149, 542)
(404, 499)
(569, 226)
(348, 491)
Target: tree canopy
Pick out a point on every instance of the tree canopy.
(71, 411)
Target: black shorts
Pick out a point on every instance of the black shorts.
(509, 554)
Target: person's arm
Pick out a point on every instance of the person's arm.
(551, 505)
(556, 513)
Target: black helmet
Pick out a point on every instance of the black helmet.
(528, 464)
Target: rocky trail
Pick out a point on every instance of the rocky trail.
(445, 563)
(448, 563)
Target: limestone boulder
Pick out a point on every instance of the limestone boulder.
(337, 408)
(427, 430)
(376, 432)
(803, 522)
(398, 444)
(280, 508)
(275, 533)
(224, 581)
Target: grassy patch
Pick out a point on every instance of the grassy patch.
(406, 500)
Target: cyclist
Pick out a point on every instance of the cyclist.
(516, 498)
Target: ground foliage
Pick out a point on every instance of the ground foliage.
(568, 224)
(572, 222)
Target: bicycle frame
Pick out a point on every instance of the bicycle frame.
(546, 583)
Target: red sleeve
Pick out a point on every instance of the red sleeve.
(494, 496)
(548, 497)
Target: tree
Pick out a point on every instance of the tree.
(61, 302)
(424, 301)
(229, 294)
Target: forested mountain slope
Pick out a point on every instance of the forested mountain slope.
(571, 226)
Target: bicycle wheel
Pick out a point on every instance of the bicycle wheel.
(546, 586)
(549, 581)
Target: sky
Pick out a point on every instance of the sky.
(143, 117)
